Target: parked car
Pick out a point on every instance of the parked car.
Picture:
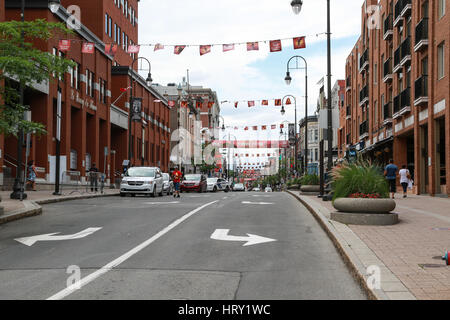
(256, 189)
(142, 180)
(194, 182)
(218, 184)
(168, 184)
(268, 189)
(239, 187)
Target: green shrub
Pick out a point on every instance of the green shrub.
(359, 177)
(309, 180)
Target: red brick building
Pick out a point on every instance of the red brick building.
(2, 18)
(94, 108)
(398, 90)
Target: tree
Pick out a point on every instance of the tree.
(21, 63)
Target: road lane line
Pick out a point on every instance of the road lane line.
(86, 280)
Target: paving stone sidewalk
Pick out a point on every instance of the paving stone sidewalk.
(411, 250)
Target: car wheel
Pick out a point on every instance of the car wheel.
(227, 190)
(161, 193)
(154, 193)
(215, 189)
(133, 195)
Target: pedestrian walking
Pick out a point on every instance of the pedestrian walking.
(32, 175)
(93, 177)
(176, 176)
(405, 179)
(390, 172)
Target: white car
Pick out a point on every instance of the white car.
(256, 189)
(168, 184)
(217, 184)
(142, 180)
(268, 189)
(239, 187)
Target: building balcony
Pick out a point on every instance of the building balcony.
(397, 66)
(363, 130)
(364, 61)
(387, 113)
(348, 114)
(364, 95)
(398, 19)
(421, 41)
(387, 73)
(406, 8)
(349, 139)
(348, 84)
(421, 91)
(388, 28)
(402, 55)
(402, 103)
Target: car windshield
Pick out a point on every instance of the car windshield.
(192, 177)
(212, 180)
(141, 172)
(166, 177)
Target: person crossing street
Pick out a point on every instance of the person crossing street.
(176, 176)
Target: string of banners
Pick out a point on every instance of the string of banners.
(111, 48)
(257, 128)
(264, 103)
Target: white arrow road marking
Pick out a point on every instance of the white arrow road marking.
(91, 277)
(29, 241)
(261, 203)
(250, 240)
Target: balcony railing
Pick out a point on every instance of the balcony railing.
(421, 40)
(364, 60)
(349, 139)
(364, 95)
(387, 74)
(388, 27)
(363, 129)
(402, 103)
(421, 90)
(349, 111)
(402, 54)
(348, 82)
(401, 9)
(387, 113)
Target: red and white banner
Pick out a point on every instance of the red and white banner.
(88, 47)
(275, 46)
(251, 104)
(205, 49)
(64, 45)
(134, 48)
(278, 102)
(159, 46)
(227, 47)
(171, 103)
(111, 49)
(178, 49)
(265, 102)
(252, 46)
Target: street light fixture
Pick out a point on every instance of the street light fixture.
(288, 78)
(148, 81)
(297, 6)
(283, 111)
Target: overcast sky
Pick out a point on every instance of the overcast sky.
(242, 75)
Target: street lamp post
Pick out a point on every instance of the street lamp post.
(296, 140)
(131, 110)
(297, 7)
(288, 80)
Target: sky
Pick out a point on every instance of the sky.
(239, 74)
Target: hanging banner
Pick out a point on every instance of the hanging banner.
(64, 45)
(133, 48)
(275, 46)
(278, 102)
(210, 105)
(88, 47)
(171, 103)
(136, 109)
(228, 47)
(111, 49)
(288, 101)
(158, 46)
(251, 104)
(252, 46)
(205, 49)
(292, 134)
(299, 43)
(179, 49)
(265, 102)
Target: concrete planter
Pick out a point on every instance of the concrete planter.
(294, 187)
(311, 190)
(365, 211)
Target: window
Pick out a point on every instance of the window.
(375, 73)
(75, 76)
(441, 8)
(106, 23)
(441, 61)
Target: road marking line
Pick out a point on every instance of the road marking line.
(259, 203)
(86, 280)
(153, 203)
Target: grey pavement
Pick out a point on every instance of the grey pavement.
(182, 262)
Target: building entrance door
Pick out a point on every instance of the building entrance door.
(440, 157)
(424, 179)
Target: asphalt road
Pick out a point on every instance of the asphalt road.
(161, 248)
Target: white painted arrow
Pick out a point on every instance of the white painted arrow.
(29, 241)
(250, 240)
(153, 203)
(261, 203)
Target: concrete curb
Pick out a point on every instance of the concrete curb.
(33, 208)
(357, 255)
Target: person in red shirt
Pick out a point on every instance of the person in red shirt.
(176, 176)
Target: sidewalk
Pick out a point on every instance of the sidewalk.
(411, 250)
(16, 209)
